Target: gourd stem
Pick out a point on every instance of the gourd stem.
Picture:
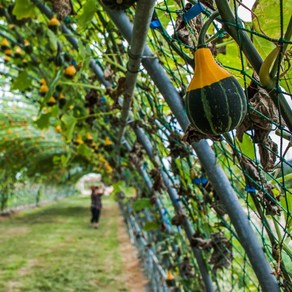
(201, 38)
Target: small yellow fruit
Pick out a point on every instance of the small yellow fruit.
(61, 96)
(107, 141)
(26, 43)
(170, 279)
(44, 89)
(169, 276)
(108, 167)
(94, 146)
(53, 22)
(58, 129)
(4, 44)
(51, 101)
(8, 52)
(43, 81)
(7, 59)
(88, 136)
(79, 140)
(70, 71)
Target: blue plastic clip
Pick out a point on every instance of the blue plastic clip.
(204, 180)
(250, 189)
(196, 181)
(155, 24)
(67, 19)
(193, 12)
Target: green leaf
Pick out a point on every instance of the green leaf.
(69, 123)
(22, 82)
(267, 21)
(121, 186)
(88, 12)
(247, 146)
(85, 151)
(141, 204)
(43, 121)
(152, 225)
(65, 159)
(23, 9)
(53, 40)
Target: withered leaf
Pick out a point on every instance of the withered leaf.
(192, 136)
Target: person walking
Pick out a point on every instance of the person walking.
(96, 205)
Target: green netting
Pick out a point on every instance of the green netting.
(79, 126)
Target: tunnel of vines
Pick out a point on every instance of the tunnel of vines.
(182, 106)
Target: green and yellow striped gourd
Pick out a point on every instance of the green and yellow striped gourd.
(215, 101)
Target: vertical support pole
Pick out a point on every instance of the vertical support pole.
(142, 20)
(207, 158)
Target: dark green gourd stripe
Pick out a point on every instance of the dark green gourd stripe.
(217, 108)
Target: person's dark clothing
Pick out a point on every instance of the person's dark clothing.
(95, 207)
(96, 201)
(95, 215)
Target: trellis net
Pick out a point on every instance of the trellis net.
(62, 127)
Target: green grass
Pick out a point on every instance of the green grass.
(53, 248)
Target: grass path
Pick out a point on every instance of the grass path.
(53, 248)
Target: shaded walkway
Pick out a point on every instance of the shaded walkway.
(53, 248)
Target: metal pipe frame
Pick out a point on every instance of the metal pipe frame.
(207, 158)
(142, 20)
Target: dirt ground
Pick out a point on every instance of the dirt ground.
(133, 272)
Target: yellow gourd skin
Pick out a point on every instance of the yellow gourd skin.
(53, 22)
(70, 71)
(207, 71)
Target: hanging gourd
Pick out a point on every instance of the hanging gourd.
(53, 23)
(27, 47)
(107, 141)
(70, 71)
(24, 62)
(78, 140)
(118, 4)
(215, 101)
(89, 137)
(62, 100)
(4, 44)
(18, 52)
(51, 101)
(170, 281)
(44, 87)
(58, 129)
(8, 52)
